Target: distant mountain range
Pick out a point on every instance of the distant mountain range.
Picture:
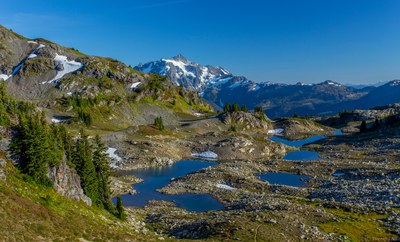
(218, 86)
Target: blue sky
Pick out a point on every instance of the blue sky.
(350, 41)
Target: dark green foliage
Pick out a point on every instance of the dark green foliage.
(235, 107)
(158, 122)
(120, 209)
(4, 118)
(65, 139)
(100, 161)
(259, 109)
(363, 127)
(391, 120)
(156, 82)
(262, 117)
(83, 160)
(91, 164)
(343, 113)
(4, 105)
(227, 107)
(84, 106)
(295, 115)
(85, 117)
(244, 108)
(232, 128)
(36, 146)
(377, 124)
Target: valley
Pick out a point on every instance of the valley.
(183, 168)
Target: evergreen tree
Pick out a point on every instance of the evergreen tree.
(227, 107)
(235, 107)
(258, 109)
(34, 144)
(376, 124)
(232, 128)
(100, 161)
(363, 127)
(85, 168)
(120, 209)
(4, 117)
(158, 122)
(244, 108)
(66, 141)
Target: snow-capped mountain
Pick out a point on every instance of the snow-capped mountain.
(218, 86)
(188, 74)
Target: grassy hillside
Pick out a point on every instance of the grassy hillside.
(34, 213)
(103, 92)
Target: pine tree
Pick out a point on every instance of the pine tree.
(363, 127)
(100, 161)
(34, 144)
(158, 122)
(4, 117)
(376, 124)
(258, 109)
(235, 107)
(85, 168)
(244, 108)
(120, 209)
(227, 107)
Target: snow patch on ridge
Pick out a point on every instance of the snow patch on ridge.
(135, 84)
(395, 83)
(116, 158)
(255, 88)
(32, 56)
(68, 67)
(56, 121)
(333, 84)
(4, 77)
(275, 131)
(206, 155)
(182, 66)
(223, 186)
(222, 81)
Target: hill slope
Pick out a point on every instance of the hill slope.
(71, 84)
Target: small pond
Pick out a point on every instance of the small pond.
(297, 143)
(156, 178)
(282, 178)
(301, 155)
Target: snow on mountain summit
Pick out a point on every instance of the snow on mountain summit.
(186, 73)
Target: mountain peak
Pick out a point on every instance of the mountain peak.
(181, 58)
(332, 83)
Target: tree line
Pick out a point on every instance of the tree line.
(236, 108)
(40, 145)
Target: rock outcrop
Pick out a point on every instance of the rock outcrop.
(67, 182)
(298, 128)
(246, 120)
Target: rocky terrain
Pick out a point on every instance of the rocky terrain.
(352, 193)
(352, 188)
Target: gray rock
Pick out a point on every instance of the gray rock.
(67, 182)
